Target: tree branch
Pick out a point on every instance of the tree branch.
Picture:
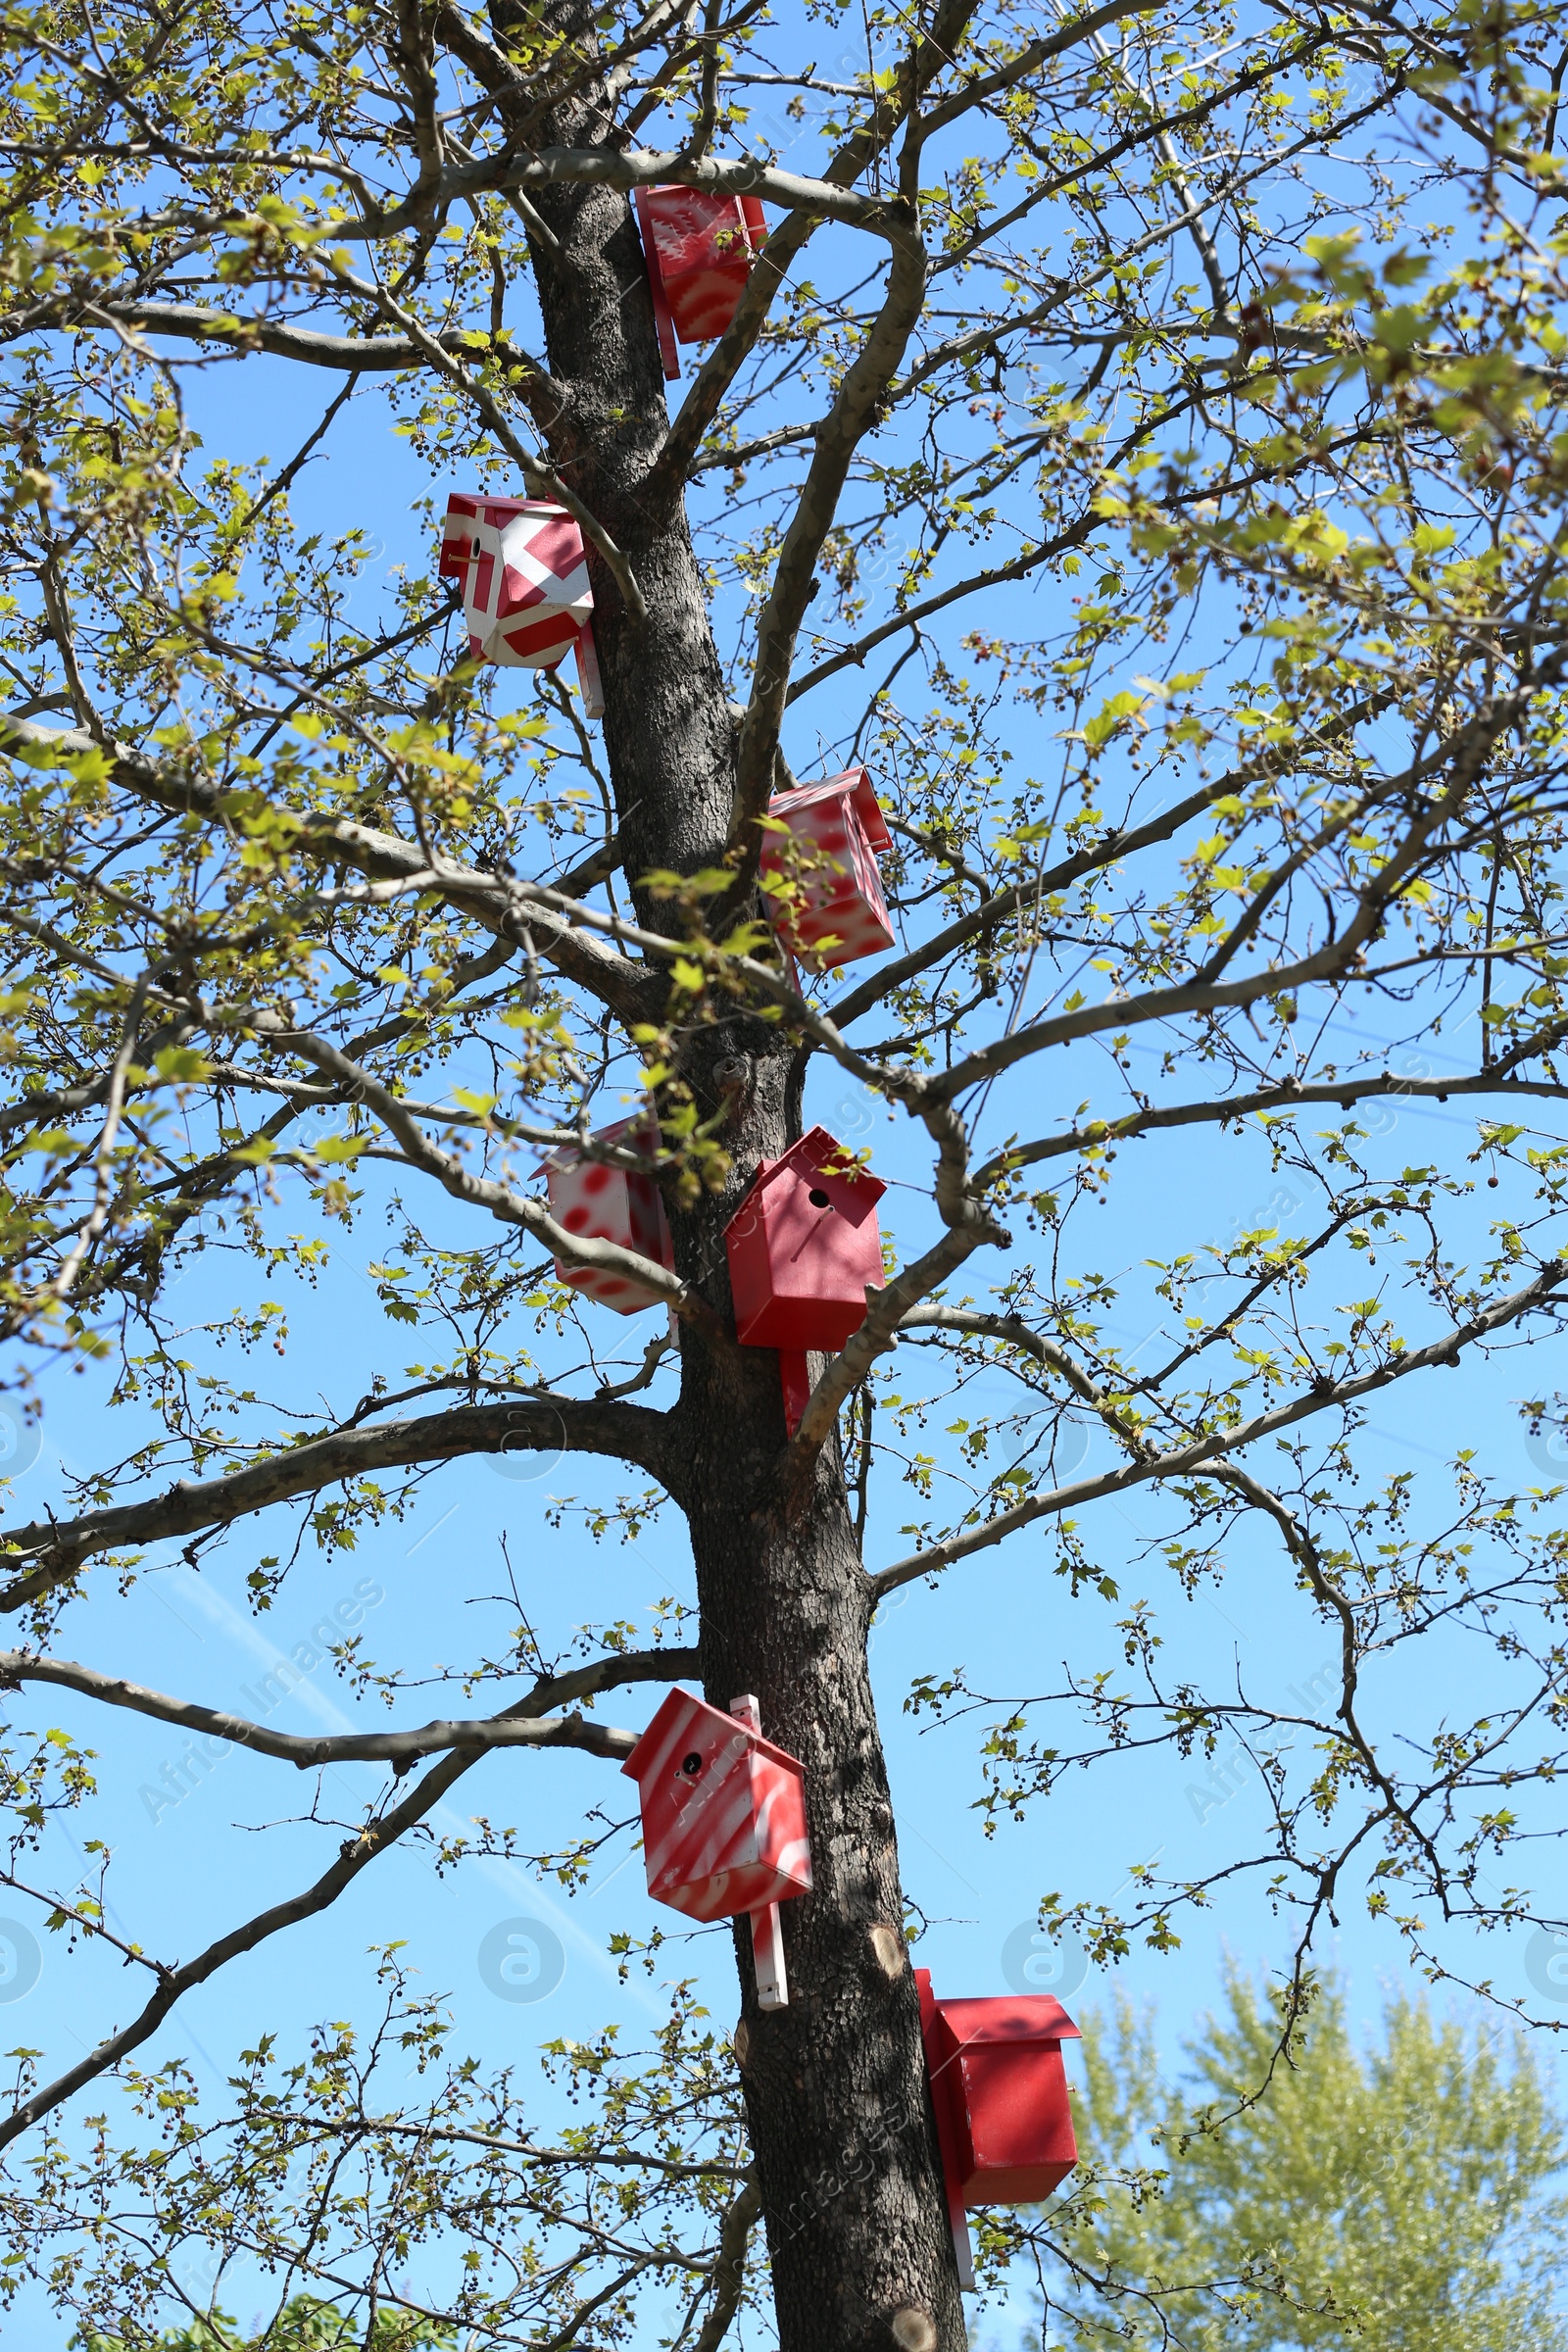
(1289, 1095)
(1113, 848)
(853, 412)
(1465, 756)
(356, 1855)
(352, 355)
(615, 980)
(527, 1724)
(969, 1225)
(730, 2264)
(1180, 1460)
(50, 1553)
(483, 1192)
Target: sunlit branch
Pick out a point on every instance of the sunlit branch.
(1188, 117)
(1338, 1610)
(1290, 1093)
(730, 2264)
(103, 1162)
(311, 2124)
(1465, 755)
(1180, 1460)
(969, 1226)
(539, 477)
(350, 355)
(529, 1723)
(938, 44)
(381, 856)
(1016, 1333)
(499, 1200)
(629, 168)
(1113, 848)
(49, 1552)
(1064, 290)
(853, 411)
(356, 1855)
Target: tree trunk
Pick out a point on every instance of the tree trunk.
(835, 2083)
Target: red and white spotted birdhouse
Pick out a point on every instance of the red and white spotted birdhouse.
(723, 1814)
(819, 872)
(1000, 2091)
(606, 1203)
(523, 573)
(804, 1248)
(699, 249)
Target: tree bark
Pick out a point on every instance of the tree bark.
(835, 2083)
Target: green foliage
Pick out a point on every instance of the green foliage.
(1404, 2197)
(381, 2155)
(303, 2323)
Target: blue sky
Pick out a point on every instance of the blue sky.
(184, 1870)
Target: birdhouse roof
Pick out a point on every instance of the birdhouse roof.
(1018, 2019)
(807, 1162)
(854, 784)
(679, 1716)
(638, 1133)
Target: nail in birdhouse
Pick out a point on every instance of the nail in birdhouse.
(1000, 2091)
(723, 1814)
(804, 1246)
(607, 1204)
(699, 249)
(819, 872)
(523, 572)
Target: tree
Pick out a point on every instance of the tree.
(1399, 2196)
(1178, 395)
(304, 2324)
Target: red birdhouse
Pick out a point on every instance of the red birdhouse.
(523, 573)
(819, 866)
(723, 1815)
(804, 1248)
(1000, 2091)
(699, 249)
(607, 1204)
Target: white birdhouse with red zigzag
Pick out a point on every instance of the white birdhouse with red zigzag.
(523, 571)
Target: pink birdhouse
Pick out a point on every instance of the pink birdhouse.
(606, 1203)
(821, 873)
(804, 1248)
(523, 573)
(723, 1814)
(1000, 2091)
(699, 249)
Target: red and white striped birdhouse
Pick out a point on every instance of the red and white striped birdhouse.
(819, 872)
(699, 249)
(804, 1248)
(723, 1814)
(523, 573)
(607, 1204)
(1000, 2091)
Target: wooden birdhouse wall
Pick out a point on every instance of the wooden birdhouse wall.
(804, 1246)
(699, 249)
(1000, 2090)
(523, 572)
